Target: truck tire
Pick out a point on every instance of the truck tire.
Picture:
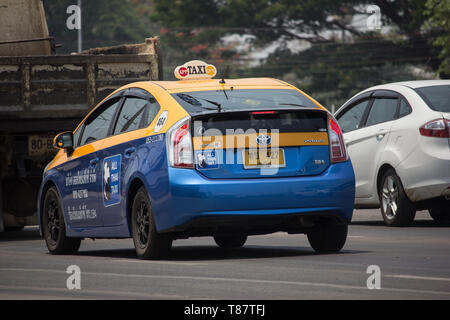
(396, 209)
(149, 244)
(54, 227)
(13, 229)
(328, 238)
(230, 242)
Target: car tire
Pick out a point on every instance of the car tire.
(54, 227)
(396, 209)
(440, 214)
(13, 229)
(149, 244)
(230, 242)
(328, 238)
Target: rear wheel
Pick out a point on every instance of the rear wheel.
(54, 227)
(440, 214)
(149, 244)
(397, 210)
(229, 242)
(328, 238)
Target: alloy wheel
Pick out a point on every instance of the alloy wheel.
(53, 222)
(143, 224)
(390, 197)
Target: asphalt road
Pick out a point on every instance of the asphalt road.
(414, 263)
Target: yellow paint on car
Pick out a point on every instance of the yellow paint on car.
(239, 141)
(162, 91)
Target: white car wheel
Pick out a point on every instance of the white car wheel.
(397, 210)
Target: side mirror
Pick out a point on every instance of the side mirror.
(64, 140)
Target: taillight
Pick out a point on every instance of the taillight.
(179, 145)
(263, 112)
(338, 152)
(439, 128)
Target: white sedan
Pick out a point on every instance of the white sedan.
(398, 138)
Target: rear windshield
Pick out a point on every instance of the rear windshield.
(243, 99)
(436, 97)
(281, 120)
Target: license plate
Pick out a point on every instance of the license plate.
(40, 145)
(263, 158)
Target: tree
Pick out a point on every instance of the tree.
(271, 20)
(439, 12)
(104, 23)
(339, 56)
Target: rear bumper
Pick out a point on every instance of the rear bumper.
(425, 173)
(194, 199)
(430, 189)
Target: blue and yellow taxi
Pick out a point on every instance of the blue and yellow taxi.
(158, 161)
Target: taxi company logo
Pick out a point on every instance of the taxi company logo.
(183, 71)
(263, 140)
(195, 69)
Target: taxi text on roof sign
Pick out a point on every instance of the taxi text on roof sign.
(195, 70)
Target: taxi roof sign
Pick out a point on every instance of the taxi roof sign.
(195, 70)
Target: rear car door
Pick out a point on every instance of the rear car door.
(120, 156)
(81, 194)
(351, 119)
(367, 144)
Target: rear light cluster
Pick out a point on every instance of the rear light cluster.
(338, 152)
(439, 128)
(179, 145)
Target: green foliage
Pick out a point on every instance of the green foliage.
(104, 23)
(341, 58)
(333, 72)
(335, 58)
(439, 12)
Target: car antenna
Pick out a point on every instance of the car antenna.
(222, 82)
(225, 74)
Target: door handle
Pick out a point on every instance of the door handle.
(93, 163)
(381, 133)
(128, 152)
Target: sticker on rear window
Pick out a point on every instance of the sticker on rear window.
(207, 159)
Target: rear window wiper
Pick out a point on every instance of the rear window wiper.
(218, 105)
(194, 101)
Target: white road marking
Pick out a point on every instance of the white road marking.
(405, 276)
(240, 280)
(14, 293)
(177, 263)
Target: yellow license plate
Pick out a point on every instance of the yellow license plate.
(263, 158)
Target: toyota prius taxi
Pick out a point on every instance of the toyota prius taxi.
(158, 161)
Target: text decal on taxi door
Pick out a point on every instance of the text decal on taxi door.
(111, 180)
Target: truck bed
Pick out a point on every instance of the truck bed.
(60, 89)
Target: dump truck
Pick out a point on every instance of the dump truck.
(41, 95)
